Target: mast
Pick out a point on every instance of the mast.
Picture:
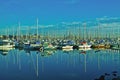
(13, 34)
(79, 32)
(19, 31)
(7, 33)
(98, 34)
(84, 33)
(118, 33)
(37, 28)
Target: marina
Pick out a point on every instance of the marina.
(71, 56)
(59, 39)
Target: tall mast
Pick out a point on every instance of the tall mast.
(118, 33)
(37, 28)
(19, 30)
(8, 33)
(79, 32)
(84, 34)
(13, 34)
(98, 34)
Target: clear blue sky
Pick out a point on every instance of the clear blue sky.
(55, 11)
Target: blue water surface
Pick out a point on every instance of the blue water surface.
(58, 65)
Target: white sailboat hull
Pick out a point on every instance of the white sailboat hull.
(67, 47)
(6, 46)
(84, 46)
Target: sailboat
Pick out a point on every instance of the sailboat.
(84, 44)
(33, 45)
(115, 46)
(67, 45)
(6, 44)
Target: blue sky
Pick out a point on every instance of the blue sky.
(55, 11)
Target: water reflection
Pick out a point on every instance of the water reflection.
(4, 51)
(47, 53)
(60, 65)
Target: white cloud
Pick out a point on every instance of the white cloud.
(42, 26)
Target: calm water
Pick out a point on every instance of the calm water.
(58, 65)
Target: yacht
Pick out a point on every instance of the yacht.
(4, 44)
(84, 45)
